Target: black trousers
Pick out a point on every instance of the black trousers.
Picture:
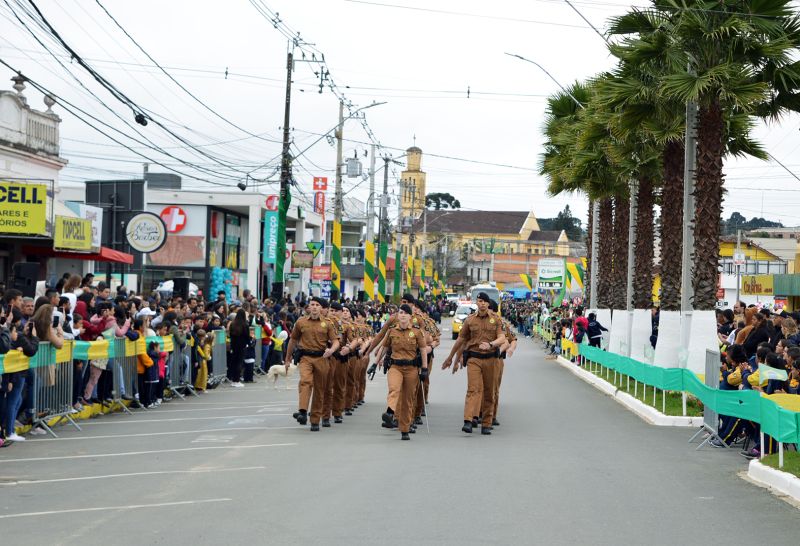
(145, 389)
(235, 362)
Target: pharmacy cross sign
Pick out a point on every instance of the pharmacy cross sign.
(174, 218)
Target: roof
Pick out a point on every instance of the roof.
(414, 149)
(545, 236)
(473, 221)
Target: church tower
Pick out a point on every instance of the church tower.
(413, 192)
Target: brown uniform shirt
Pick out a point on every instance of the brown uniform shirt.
(405, 342)
(313, 335)
(508, 331)
(477, 329)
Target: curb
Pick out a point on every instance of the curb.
(647, 413)
(778, 481)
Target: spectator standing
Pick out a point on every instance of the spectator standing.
(239, 333)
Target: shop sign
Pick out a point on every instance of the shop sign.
(321, 273)
(292, 276)
(23, 208)
(272, 203)
(146, 232)
(551, 273)
(320, 183)
(319, 202)
(175, 219)
(73, 234)
(757, 285)
(302, 259)
(270, 251)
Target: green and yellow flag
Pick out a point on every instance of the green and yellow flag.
(369, 269)
(527, 280)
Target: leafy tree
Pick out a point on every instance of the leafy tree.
(564, 221)
(439, 201)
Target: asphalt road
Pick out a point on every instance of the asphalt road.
(568, 465)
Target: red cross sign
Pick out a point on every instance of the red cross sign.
(174, 218)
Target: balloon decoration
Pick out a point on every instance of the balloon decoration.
(221, 280)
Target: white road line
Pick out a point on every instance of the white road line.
(146, 434)
(133, 421)
(108, 508)
(129, 453)
(261, 406)
(131, 474)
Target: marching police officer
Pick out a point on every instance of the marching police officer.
(407, 344)
(311, 336)
(481, 337)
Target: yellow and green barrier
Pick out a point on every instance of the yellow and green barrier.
(15, 361)
(778, 414)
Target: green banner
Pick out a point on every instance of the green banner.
(398, 275)
(776, 421)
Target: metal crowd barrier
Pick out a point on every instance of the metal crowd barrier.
(123, 372)
(179, 372)
(219, 357)
(51, 390)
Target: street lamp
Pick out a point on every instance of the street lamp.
(595, 204)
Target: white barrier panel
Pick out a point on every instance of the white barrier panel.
(604, 318)
(703, 329)
(641, 349)
(669, 340)
(619, 342)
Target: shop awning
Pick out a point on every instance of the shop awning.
(104, 255)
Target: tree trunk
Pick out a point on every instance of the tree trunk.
(619, 283)
(708, 205)
(643, 246)
(672, 226)
(604, 259)
(587, 277)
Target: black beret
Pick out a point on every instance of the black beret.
(484, 296)
(408, 297)
(405, 308)
(336, 306)
(320, 301)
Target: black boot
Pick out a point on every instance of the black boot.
(467, 427)
(495, 423)
(388, 416)
(475, 422)
(326, 423)
(404, 436)
(314, 427)
(418, 421)
(338, 419)
(302, 417)
(486, 430)
(348, 412)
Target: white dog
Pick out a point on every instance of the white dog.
(280, 371)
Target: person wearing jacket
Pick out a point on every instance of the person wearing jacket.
(595, 330)
(25, 341)
(144, 363)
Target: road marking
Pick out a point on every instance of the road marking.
(130, 453)
(211, 438)
(145, 434)
(131, 474)
(108, 508)
(248, 421)
(175, 419)
(261, 406)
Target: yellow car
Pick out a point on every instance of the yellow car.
(464, 310)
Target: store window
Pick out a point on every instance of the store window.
(233, 234)
(216, 238)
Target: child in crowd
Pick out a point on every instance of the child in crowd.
(149, 379)
(202, 348)
(163, 331)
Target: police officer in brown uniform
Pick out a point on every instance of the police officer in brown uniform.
(376, 341)
(363, 360)
(481, 336)
(432, 337)
(336, 361)
(311, 335)
(406, 343)
(349, 344)
(506, 351)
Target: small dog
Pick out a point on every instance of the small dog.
(280, 371)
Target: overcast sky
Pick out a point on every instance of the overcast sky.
(420, 62)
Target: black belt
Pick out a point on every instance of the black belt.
(304, 352)
(341, 357)
(412, 362)
(473, 354)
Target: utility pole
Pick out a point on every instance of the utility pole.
(336, 236)
(286, 180)
(738, 266)
(383, 235)
(371, 199)
(337, 214)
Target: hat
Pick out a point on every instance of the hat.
(318, 300)
(146, 312)
(336, 306)
(405, 308)
(408, 297)
(484, 296)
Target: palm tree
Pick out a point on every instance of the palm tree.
(732, 59)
